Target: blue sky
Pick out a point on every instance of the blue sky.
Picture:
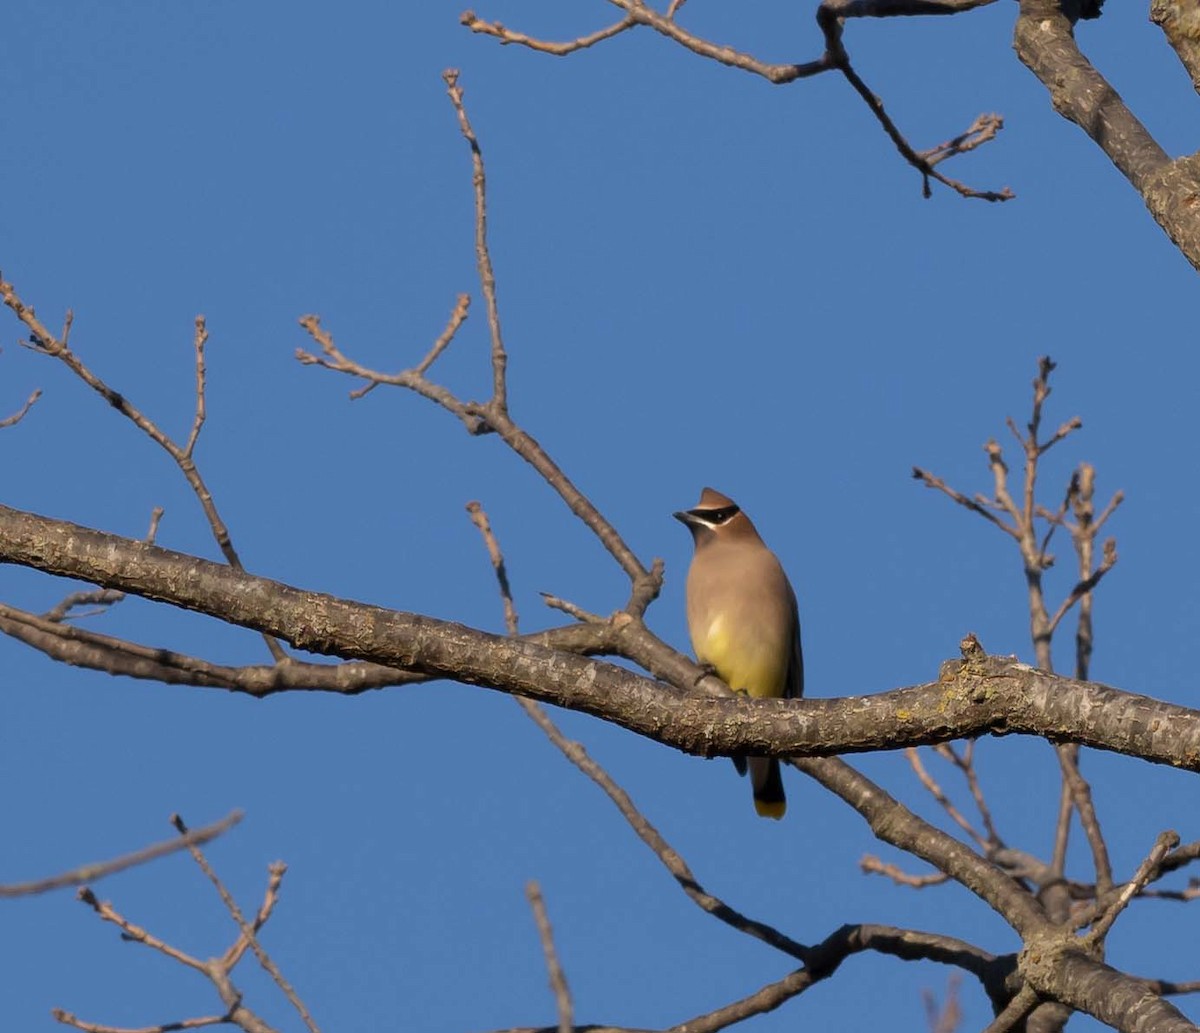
(703, 280)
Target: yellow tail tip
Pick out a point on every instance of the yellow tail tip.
(771, 808)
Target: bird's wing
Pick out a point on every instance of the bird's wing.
(794, 687)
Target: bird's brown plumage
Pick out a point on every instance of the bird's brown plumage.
(742, 618)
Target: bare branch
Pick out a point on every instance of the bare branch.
(506, 35)
(558, 981)
(873, 865)
(459, 316)
(20, 414)
(1099, 930)
(198, 342)
(936, 791)
(67, 1019)
(932, 481)
(567, 607)
(275, 872)
(99, 869)
(480, 519)
(136, 933)
(1082, 588)
(483, 258)
(981, 131)
(944, 1019)
(831, 15)
(966, 765)
(248, 930)
(916, 160)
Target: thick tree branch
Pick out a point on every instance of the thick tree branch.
(78, 647)
(987, 696)
(1063, 973)
(1045, 42)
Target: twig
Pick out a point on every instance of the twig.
(983, 129)
(932, 481)
(558, 981)
(198, 342)
(567, 607)
(944, 1019)
(1180, 856)
(507, 36)
(1083, 588)
(966, 765)
(873, 865)
(332, 358)
(275, 873)
(99, 598)
(1165, 842)
(135, 932)
(248, 931)
(936, 791)
(99, 869)
(907, 152)
(480, 519)
(67, 1019)
(483, 258)
(19, 415)
(462, 306)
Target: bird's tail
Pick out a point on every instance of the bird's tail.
(769, 800)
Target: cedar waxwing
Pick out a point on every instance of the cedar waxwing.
(742, 618)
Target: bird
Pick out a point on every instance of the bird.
(743, 621)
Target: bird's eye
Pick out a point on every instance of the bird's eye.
(723, 515)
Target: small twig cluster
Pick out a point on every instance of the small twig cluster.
(831, 18)
(217, 970)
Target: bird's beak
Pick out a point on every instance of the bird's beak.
(684, 518)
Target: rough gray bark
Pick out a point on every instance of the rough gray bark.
(985, 695)
(1044, 40)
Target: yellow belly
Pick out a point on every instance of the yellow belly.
(747, 660)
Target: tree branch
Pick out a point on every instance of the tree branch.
(93, 872)
(1045, 42)
(988, 696)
